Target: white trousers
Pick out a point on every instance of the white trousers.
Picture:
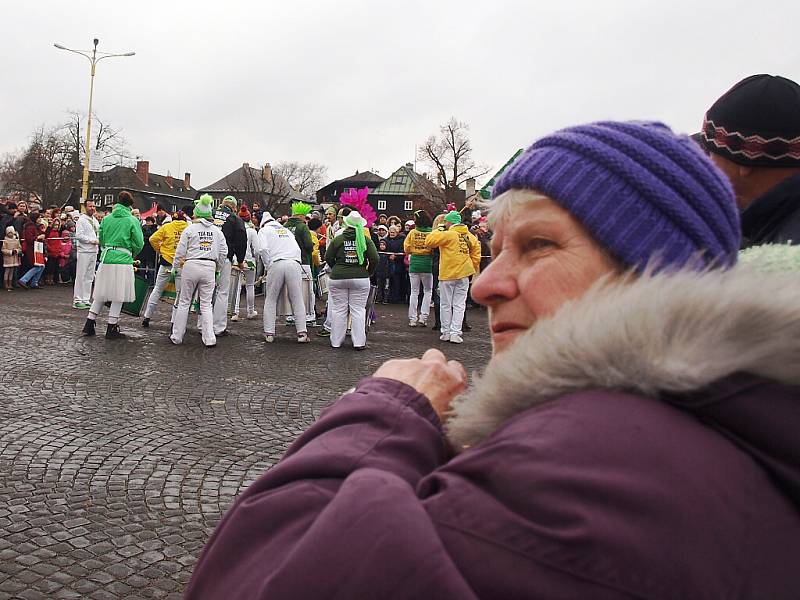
(349, 297)
(452, 304)
(84, 276)
(308, 281)
(426, 281)
(161, 282)
(113, 312)
(221, 301)
(249, 291)
(290, 274)
(196, 275)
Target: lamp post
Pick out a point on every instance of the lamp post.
(93, 59)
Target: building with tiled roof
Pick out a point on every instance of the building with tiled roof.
(249, 184)
(331, 192)
(406, 191)
(146, 188)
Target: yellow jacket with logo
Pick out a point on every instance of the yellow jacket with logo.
(165, 239)
(459, 252)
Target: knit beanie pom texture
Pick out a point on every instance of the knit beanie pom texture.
(203, 206)
(300, 208)
(644, 193)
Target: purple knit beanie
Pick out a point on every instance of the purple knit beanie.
(642, 191)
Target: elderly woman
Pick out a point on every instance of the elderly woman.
(633, 436)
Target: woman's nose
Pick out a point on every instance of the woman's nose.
(497, 283)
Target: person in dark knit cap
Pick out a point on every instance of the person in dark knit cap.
(633, 436)
(752, 133)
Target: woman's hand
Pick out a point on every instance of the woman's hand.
(433, 375)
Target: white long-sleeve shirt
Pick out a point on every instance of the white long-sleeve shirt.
(252, 244)
(86, 234)
(275, 242)
(202, 240)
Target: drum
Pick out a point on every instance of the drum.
(285, 307)
(143, 290)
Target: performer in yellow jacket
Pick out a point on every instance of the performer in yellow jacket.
(459, 259)
(164, 241)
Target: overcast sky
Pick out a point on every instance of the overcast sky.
(356, 84)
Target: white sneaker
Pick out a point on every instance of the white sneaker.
(234, 318)
(412, 323)
(252, 315)
(422, 322)
(269, 338)
(445, 337)
(302, 338)
(456, 339)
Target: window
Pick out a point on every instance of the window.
(401, 180)
(408, 205)
(109, 199)
(96, 197)
(381, 204)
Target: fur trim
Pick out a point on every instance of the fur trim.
(668, 332)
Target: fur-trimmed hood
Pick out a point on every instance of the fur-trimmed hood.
(668, 336)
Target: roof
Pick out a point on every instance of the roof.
(486, 190)
(406, 182)
(364, 176)
(126, 178)
(249, 179)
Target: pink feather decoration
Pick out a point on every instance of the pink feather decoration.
(357, 200)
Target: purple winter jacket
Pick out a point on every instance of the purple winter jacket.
(595, 460)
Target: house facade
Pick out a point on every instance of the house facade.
(406, 191)
(330, 193)
(146, 188)
(248, 185)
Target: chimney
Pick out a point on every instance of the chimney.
(143, 170)
(470, 187)
(266, 172)
(187, 178)
(245, 165)
(169, 180)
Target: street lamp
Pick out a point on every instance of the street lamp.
(93, 59)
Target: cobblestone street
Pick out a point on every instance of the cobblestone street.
(117, 459)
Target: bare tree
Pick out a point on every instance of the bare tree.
(450, 156)
(305, 178)
(108, 142)
(46, 168)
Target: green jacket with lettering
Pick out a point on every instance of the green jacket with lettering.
(342, 257)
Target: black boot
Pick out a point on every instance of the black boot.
(88, 327)
(113, 332)
(146, 322)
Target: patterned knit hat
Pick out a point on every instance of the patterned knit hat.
(453, 217)
(643, 192)
(756, 123)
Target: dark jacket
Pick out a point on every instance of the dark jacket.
(148, 255)
(302, 234)
(773, 218)
(617, 451)
(342, 257)
(234, 231)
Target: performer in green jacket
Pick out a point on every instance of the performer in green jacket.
(120, 239)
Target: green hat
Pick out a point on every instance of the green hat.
(203, 207)
(300, 208)
(453, 217)
(231, 200)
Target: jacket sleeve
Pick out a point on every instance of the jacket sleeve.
(331, 250)
(180, 250)
(263, 246)
(373, 258)
(436, 238)
(306, 243)
(137, 237)
(407, 245)
(101, 234)
(475, 252)
(157, 238)
(341, 500)
(240, 248)
(223, 250)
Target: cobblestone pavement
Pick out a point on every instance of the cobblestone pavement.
(117, 459)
